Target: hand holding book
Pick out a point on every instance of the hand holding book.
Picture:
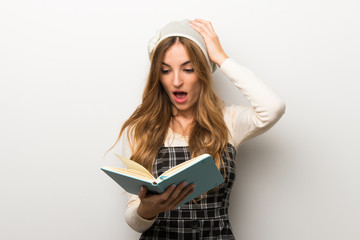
(200, 171)
(153, 204)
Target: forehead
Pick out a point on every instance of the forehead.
(176, 54)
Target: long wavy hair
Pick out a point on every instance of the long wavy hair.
(147, 127)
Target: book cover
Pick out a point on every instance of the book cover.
(201, 171)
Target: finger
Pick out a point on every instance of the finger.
(206, 24)
(142, 192)
(203, 30)
(203, 21)
(184, 194)
(168, 192)
(178, 190)
(186, 191)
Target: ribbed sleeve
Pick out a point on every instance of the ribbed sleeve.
(245, 122)
(132, 218)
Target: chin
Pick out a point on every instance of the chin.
(183, 108)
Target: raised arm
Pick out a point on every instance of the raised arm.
(244, 122)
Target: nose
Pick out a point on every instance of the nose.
(177, 79)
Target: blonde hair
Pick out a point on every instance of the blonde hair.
(148, 125)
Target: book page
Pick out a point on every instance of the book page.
(183, 165)
(130, 164)
(131, 172)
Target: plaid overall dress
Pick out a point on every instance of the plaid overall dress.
(208, 219)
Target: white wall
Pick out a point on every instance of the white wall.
(72, 71)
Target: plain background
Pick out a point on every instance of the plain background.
(72, 71)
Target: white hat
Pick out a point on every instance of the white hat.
(181, 29)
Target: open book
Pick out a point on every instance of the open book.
(200, 170)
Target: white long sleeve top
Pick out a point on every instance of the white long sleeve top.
(243, 122)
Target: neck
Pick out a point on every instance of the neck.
(182, 122)
(188, 114)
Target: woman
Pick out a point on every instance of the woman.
(181, 117)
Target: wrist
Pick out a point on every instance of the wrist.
(145, 213)
(219, 60)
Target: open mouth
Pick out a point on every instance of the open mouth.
(180, 96)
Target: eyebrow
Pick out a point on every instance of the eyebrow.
(183, 64)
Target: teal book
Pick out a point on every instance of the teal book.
(200, 171)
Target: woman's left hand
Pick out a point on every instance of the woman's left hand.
(214, 48)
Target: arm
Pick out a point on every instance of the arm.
(142, 209)
(266, 107)
(132, 218)
(245, 122)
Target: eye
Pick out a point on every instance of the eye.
(189, 70)
(164, 71)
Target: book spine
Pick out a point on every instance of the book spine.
(157, 186)
(160, 187)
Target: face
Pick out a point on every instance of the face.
(180, 80)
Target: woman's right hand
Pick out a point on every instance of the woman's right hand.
(153, 204)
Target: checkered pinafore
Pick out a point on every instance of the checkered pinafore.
(208, 219)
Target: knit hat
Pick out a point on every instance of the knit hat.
(181, 29)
